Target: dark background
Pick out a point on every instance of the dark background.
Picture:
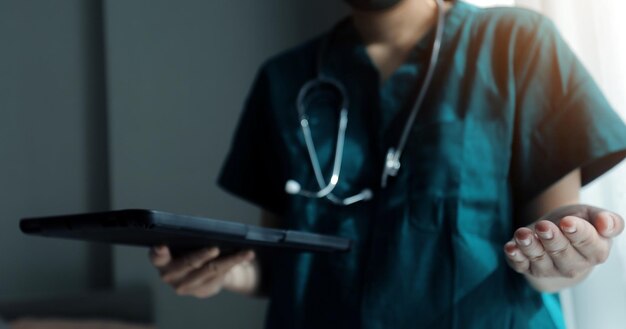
(112, 104)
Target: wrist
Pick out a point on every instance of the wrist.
(243, 278)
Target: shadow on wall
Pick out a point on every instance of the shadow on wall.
(175, 92)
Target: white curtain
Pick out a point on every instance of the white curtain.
(595, 31)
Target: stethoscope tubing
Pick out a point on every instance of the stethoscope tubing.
(392, 162)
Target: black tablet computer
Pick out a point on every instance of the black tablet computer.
(140, 227)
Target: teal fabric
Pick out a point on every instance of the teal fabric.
(510, 112)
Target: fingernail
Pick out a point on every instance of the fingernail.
(548, 235)
(512, 253)
(524, 242)
(569, 229)
(610, 224)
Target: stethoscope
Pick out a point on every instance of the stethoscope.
(392, 160)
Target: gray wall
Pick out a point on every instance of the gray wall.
(52, 158)
(141, 117)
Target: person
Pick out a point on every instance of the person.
(482, 224)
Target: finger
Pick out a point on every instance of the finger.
(516, 259)
(591, 214)
(608, 224)
(565, 257)
(179, 268)
(160, 256)
(585, 239)
(541, 264)
(212, 271)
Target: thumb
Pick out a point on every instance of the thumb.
(160, 256)
(607, 223)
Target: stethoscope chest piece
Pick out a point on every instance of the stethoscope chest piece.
(391, 167)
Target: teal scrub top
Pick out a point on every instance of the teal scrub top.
(510, 111)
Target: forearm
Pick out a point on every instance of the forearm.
(245, 279)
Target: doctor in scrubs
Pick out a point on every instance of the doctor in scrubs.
(482, 224)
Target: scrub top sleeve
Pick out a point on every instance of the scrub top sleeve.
(562, 121)
(254, 168)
